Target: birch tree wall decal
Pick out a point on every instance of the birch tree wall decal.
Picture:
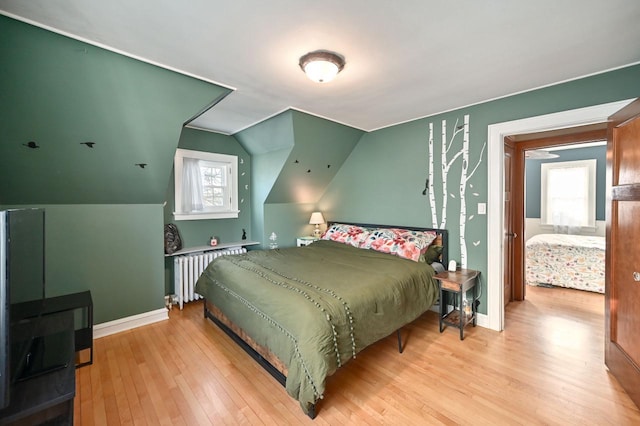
(447, 146)
(432, 195)
(446, 166)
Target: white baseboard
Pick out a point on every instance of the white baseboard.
(482, 320)
(127, 323)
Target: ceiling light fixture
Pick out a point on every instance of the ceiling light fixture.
(321, 66)
(539, 154)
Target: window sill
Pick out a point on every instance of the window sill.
(206, 215)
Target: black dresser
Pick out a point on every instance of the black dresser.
(44, 391)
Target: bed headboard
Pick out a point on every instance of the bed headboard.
(442, 238)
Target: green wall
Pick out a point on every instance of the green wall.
(59, 92)
(295, 157)
(269, 144)
(265, 171)
(104, 214)
(383, 178)
(198, 232)
(115, 251)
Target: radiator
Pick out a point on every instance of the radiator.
(188, 268)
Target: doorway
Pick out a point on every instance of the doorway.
(494, 318)
(517, 147)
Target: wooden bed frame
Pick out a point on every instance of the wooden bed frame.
(266, 358)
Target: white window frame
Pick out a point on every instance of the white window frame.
(231, 161)
(590, 166)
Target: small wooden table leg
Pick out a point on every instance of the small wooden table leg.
(460, 309)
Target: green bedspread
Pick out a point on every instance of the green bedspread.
(316, 307)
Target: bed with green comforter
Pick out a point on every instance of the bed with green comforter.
(316, 307)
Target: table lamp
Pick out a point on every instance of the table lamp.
(316, 219)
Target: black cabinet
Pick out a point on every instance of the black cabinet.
(44, 388)
(80, 305)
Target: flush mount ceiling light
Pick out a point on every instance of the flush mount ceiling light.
(539, 154)
(321, 66)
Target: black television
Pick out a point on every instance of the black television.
(22, 280)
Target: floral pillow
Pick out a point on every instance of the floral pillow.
(400, 242)
(347, 234)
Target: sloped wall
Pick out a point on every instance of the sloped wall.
(103, 214)
(295, 156)
(269, 144)
(59, 92)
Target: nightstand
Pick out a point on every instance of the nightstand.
(305, 241)
(457, 284)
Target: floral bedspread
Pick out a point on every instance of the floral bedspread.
(574, 261)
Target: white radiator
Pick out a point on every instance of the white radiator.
(188, 268)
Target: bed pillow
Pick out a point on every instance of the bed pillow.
(405, 243)
(347, 234)
(432, 254)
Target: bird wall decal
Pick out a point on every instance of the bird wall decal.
(426, 187)
(89, 144)
(141, 165)
(31, 145)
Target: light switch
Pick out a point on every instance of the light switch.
(482, 208)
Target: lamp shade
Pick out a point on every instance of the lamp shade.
(316, 218)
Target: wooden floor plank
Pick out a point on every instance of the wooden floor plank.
(547, 367)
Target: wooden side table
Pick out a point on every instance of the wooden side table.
(457, 283)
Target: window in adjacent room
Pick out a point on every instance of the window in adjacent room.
(206, 185)
(568, 194)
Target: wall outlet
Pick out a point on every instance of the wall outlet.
(482, 208)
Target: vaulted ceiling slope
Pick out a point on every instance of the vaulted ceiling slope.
(404, 60)
(313, 150)
(84, 125)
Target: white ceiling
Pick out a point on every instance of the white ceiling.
(405, 59)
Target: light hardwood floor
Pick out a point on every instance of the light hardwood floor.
(547, 367)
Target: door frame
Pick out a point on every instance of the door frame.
(495, 211)
(573, 136)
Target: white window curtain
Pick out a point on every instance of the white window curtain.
(191, 186)
(568, 199)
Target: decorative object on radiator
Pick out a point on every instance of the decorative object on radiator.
(172, 240)
(316, 219)
(213, 241)
(273, 238)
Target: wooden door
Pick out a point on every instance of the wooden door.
(622, 288)
(508, 222)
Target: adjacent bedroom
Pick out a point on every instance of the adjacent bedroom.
(565, 217)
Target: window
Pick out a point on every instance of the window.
(568, 193)
(206, 185)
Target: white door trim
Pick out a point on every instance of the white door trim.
(495, 213)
